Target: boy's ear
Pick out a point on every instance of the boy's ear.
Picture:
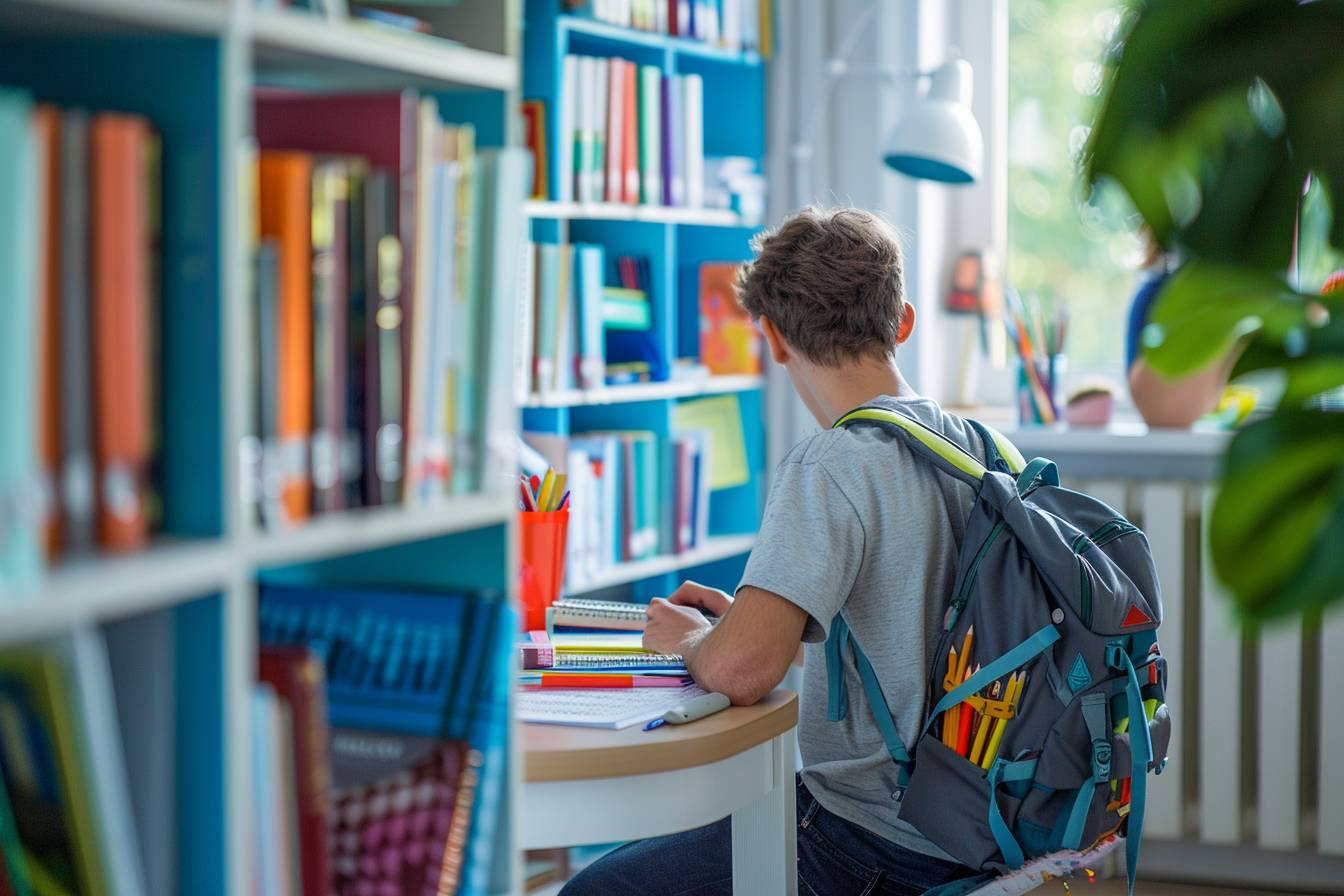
(779, 350)
(907, 325)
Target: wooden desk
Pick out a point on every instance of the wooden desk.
(585, 786)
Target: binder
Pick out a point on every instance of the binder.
(121, 328)
(285, 216)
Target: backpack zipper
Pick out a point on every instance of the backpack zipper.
(962, 596)
(1106, 534)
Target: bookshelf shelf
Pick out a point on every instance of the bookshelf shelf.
(611, 211)
(104, 588)
(375, 527)
(100, 17)
(715, 385)
(617, 37)
(307, 52)
(718, 548)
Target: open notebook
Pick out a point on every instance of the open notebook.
(614, 708)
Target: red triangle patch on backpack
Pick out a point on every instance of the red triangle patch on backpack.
(1134, 617)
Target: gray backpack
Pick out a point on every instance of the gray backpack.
(1027, 746)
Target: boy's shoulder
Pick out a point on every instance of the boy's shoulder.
(844, 445)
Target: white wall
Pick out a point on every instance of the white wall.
(844, 165)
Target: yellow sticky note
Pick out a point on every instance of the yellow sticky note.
(721, 417)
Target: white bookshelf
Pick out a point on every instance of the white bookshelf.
(297, 49)
(613, 211)
(714, 385)
(717, 548)
(93, 17)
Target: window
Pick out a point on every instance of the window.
(1063, 249)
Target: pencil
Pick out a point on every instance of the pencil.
(996, 739)
(982, 730)
(949, 719)
(964, 714)
(544, 495)
(557, 489)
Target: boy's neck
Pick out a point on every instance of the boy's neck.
(835, 391)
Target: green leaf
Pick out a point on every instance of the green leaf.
(1233, 102)
(1278, 520)
(1204, 309)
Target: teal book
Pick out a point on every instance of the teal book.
(548, 301)
(20, 547)
(590, 261)
(650, 135)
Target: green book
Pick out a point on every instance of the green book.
(20, 552)
(650, 135)
(625, 309)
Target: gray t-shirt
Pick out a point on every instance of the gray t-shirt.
(856, 522)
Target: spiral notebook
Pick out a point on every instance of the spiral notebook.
(603, 615)
(614, 708)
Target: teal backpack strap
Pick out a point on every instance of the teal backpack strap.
(1040, 468)
(837, 698)
(1018, 656)
(881, 713)
(1094, 715)
(1003, 772)
(1141, 752)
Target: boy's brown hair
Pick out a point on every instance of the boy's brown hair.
(831, 282)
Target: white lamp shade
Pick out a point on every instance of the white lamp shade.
(938, 138)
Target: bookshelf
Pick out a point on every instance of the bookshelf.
(191, 67)
(676, 240)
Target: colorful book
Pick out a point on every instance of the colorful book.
(534, 138)
(299, 679)
(729, 341)
(615, 131)
(630, 151)
(693, 116)
(568, 155)
(285, 215)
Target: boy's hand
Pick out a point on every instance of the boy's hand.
(693, 594)
(672, 628)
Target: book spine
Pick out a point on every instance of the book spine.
(297, 676)
(615, 105)
(76, 474)
(693, 119)
(384, 449)
(121, 329)
(630, 142)
(650, 138)
(524, 330)
(566, 129)
(47, 126)
(328, 342)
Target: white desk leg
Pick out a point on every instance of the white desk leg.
(765, 834)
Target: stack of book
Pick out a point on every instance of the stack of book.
(567, 314)
(734, 24)
(596, 644)
(80, 410)
(632, 496)
(380, 725)
(629, 134)
(387, 249)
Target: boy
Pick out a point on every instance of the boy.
(854, 522)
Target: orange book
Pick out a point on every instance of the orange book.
(48, 123)
(119, 262)
(729, 342)
(284, 201)
(630, 147)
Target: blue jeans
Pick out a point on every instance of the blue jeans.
(835, 857)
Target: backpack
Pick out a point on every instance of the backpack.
(1063, 597)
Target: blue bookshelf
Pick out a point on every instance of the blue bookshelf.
(676, 241)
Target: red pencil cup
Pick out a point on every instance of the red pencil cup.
(542, 566)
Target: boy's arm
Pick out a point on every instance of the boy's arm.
(743, 657)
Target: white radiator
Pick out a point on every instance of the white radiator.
(1253, 793)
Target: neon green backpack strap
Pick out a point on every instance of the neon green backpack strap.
(925, 442)
(1003, 454)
